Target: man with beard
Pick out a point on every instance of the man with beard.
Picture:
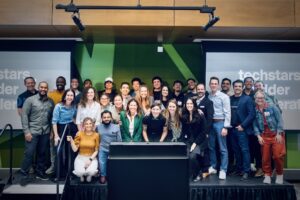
(191, 90)
(36, 123)
(56, 96)
(225, 86)
(177, 93)
(109, 132)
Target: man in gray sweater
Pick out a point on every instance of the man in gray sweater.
(36, 124)
(109, 132)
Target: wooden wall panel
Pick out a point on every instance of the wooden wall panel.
(241, 13)
(117, 17)
(25, 12)
(297, 13)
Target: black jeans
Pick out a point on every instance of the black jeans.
(64, 156)
(39, 145)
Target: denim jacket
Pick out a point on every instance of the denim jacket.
(273, 118)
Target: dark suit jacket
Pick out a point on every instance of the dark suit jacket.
(207, 107)
(246, 112)
(124, 127)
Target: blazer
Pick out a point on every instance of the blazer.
(124, 127)
(207, 107)
(245, 113)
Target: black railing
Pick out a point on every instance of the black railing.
(9, 181)
(58, 152)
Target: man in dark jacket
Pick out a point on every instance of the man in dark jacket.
(242, 116)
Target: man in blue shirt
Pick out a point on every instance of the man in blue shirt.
(109, 133)
(29, 83)
(221, 123)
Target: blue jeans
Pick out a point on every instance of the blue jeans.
(103, 156)
(240, 146)
(215, 134)
(38, 145)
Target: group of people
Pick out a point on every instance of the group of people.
(220, 129)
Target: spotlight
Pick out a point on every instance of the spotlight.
(77, 21)
(211, 22)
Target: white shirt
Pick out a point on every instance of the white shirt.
(92, 111)
(131, 124)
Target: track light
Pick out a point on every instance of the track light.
(71, 7)
(211, 22)
(77, 21)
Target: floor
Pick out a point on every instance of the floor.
(50, 187)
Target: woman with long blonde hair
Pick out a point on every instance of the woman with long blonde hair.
(172, 115)
(144, 99)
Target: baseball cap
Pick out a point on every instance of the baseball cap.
(108, 79)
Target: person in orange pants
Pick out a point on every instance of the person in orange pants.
(268, 127)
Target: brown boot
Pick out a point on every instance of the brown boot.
(259, 173)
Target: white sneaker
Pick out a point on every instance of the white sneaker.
(89, 178)
(50, 170)
(253, 168)
(222, 175)
(267, 180)
(279, 179)
(81, 178)
(211, 170)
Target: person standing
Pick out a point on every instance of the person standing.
(135, 83)
(191, 89)
(156, 84)
(125, 93)
(131, 122)
(193, 135)
(268, 127)
(56, 96)
(36, 124)
(255, 149)
(117, 108)
(177, 93)
(108, 89)
(248, 87)
(64, 114)
(242, 116)
(88, 107)
(165, 97)
(75, 86)
(221, 123)
(205, 106)
(29, 83)
(225, 86)
(145, 100)
(154, 125)
(172, 115)
(109, 133)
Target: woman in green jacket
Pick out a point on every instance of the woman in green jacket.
(131, 122)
